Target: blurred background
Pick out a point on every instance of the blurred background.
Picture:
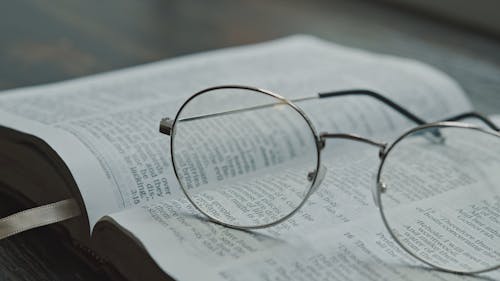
(46, 41)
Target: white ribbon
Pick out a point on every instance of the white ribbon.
(39, 216)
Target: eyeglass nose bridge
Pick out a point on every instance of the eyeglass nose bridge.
(381, 145)
(380, 186)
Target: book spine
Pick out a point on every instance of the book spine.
(89, 253)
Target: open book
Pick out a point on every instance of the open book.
(96, 140)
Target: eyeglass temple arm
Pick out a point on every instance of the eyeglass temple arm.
(475, 115)
(407, 113)
(386, 101)
(167, 123)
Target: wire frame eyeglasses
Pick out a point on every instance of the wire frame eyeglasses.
(248, 158)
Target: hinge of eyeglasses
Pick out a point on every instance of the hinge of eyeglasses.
(383, 151)
(166, 125)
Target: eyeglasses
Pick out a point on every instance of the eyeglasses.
(248, 158)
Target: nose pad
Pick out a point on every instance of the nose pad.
(433, 135)
(379, 187)
(319, 177)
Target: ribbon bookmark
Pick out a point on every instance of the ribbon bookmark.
(39, 216)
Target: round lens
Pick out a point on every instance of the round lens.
(244, 157)
(440, 196)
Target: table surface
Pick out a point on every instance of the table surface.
(46, 41)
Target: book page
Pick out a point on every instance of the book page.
(339, 234)
(105, 127)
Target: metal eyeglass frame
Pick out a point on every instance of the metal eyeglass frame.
(168, 125)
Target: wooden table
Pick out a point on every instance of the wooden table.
(47, 41)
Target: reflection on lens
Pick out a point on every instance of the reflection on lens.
(442, 197)
(243, 157)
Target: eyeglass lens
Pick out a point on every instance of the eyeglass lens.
(244, 158)
(442, 197)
